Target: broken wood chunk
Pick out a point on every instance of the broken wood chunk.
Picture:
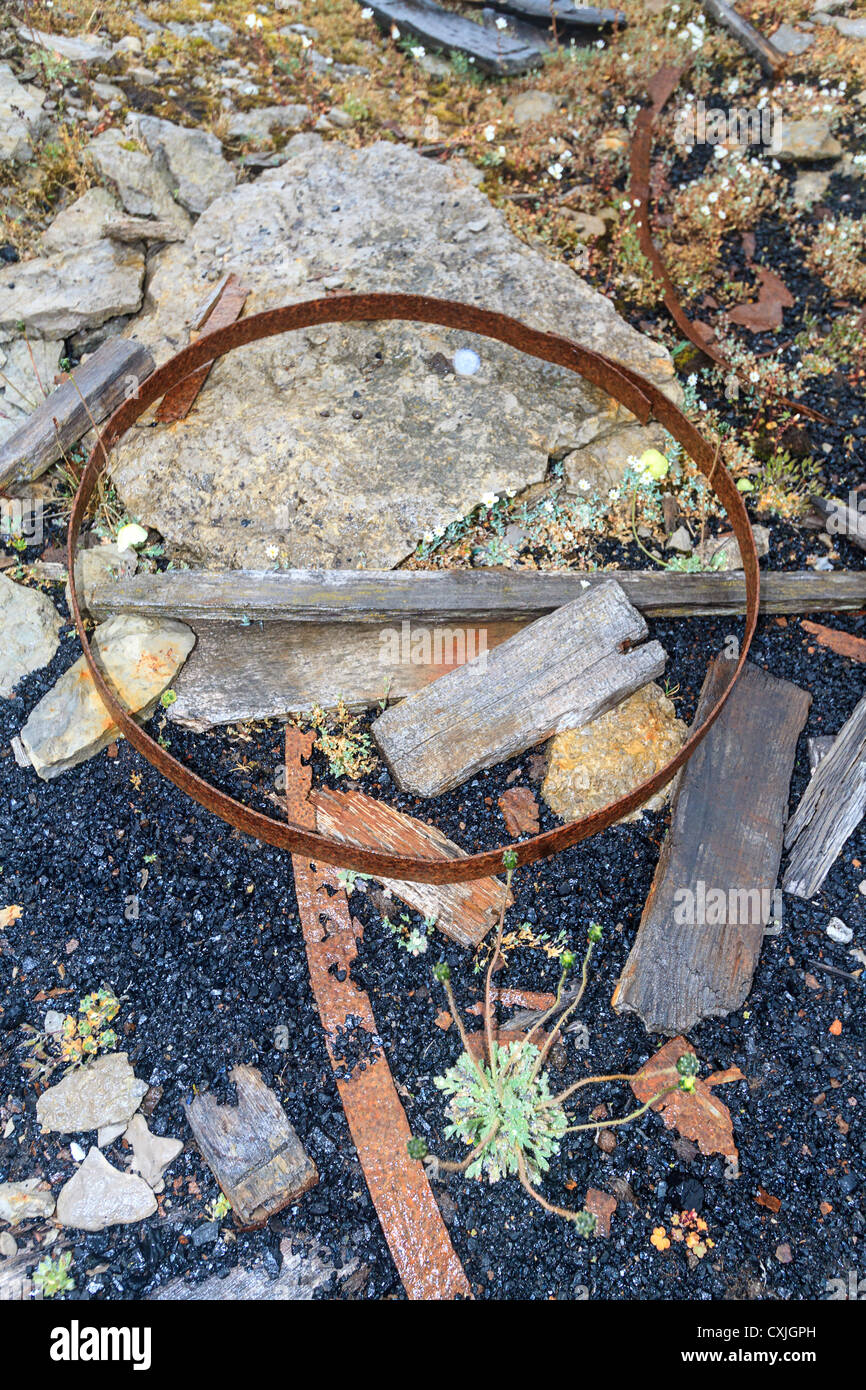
(435, 597)
(443, 29)
(104, 380)
(569, 18)
(842, 520)
(831, 808)
(713, 892)
(132, 229)
(254, 1153)
(558, 673)
(222, 308)
(411, 1221)
(843, 643)
(519, 811)
(463, 911)
(770, 59)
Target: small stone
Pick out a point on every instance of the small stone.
(466, 362)
(790, 40)
(30, 625)
(102, 1092)
(527, 107)
(681, 541)
(784, 1254)
(77, 1153)
(22, 1201)
(53, 1022)
(56, 296)
(151, 1153)
(612, 142)
(606, 1141)
(838, 931)
(81, 223)
(144, 189)
(591, 766)
(586, 224)
(99, 1195)
(140, 657)
(605, 458)
(74, 49)
(8, 1245)
(808, 139)
(723, 552)
(259, 123)
(809, 187)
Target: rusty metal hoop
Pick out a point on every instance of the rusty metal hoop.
(645, 400)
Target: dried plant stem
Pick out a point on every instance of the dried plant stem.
(588, 1081)
(488, 1008)
(470, 1158)
(556, 1032)
(542, 1202)
(633, 1115)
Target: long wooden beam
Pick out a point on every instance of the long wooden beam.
(438, 596)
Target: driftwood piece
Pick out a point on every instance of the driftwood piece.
(255, 1154)
(463, 596)
(452, 33)
(108, 376)
(558, 673)
(463, 911)
(412, 1224)
(830, 809)
(841, 520)
(132, 229)
(271, 670)
(772, 61)
(712, 895)
(221, 309)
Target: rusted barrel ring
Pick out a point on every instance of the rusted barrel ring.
(638, 395)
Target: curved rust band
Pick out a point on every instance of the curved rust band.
(639, 396)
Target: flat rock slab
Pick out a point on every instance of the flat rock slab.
(257, 1158)
(151, 1154)
(143, 187)
(81, 223)
(193, 158)
(453, 33)
(611, 755)
(22, 119)
(712, 895)
(557, 673)
(55, 296)
(808, 139)
(139, 657)
(30, 625)
(463, 911)
(343, 444)
(103, 1092)
(103, 564)
(99, 1195)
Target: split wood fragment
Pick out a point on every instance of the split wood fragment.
(831, 808)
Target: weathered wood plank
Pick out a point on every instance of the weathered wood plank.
(842, 520)
(720, 861)
(439, 596)
(255, 1154)
(830, 809)
(558, 673)
(452, 33)
(132, 229)
(463, 911)
(570, 19)
(114, 371)
(771, 60)
(271, 670)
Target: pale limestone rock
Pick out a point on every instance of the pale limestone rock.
(22, 1201)
(192, 157)
(22, 119)
(102, 1092)
(259, 124)
(108, 1133)
(81, 223)
(75, 49)
(99, 1195)
(790, 40)
(139, 656)
(809, 187)
(592, 766)
(808, 139)
(143, 189)
(342, 445)
(527, 107)
(29, 369)
(151, 1154)
(603, 461)
(30, 625)
(723, 552)
(55, 296)
(100, 565)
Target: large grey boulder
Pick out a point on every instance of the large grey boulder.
(193, 159)
(342, 445)
(55, 296)
(22, 119)
(30, 625)
(99, 1195)
(140, 658)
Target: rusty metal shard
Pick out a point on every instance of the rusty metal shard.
(411, 1221)
(226, 307)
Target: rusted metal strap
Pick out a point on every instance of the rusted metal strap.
(224, 307)
(660, 89)
(411, 1221)
(638, 395)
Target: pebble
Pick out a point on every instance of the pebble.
(838, 931)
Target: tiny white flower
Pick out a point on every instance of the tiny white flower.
(501, 23)
(272, 552)
(489, 499)
(253, 21)
(625, 205)
(555, 171)
(490, 132)
(754, 376)
(418, 51)
(367, 13)
(613, 494)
